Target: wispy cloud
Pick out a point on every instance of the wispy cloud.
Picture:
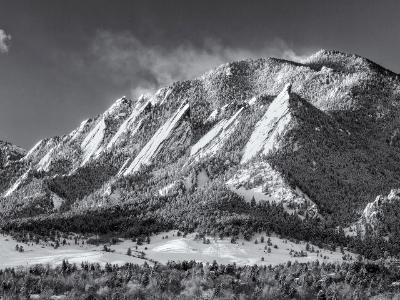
(148, 67)
(4, 40)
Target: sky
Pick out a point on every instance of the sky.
(65, 61)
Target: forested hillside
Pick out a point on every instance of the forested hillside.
(191, 280)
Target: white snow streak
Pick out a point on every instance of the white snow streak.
(16, 184)
(213, 140)
(127, 124)
(34, 148)
(269, 127)
(153, 146)
(91, 143)
(166, 96)
(77, 132)
(44, 163)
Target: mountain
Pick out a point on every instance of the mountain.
(316, 139)
(10, 156)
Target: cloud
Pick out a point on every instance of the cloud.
(4, 40)
(149, 67)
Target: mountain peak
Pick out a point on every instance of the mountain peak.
(286, 91)
(119, 106)
(272, 124)
(10, 152)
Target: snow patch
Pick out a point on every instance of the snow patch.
(296, 146)
(255, 192)
(189, 182)
(57, 201)
(166, 190)
(212, 116)
(202, 178)
(252, 101)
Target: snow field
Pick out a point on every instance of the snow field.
(166, 247)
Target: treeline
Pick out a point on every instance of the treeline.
(191, 280)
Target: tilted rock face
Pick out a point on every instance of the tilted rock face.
(81, 146)
(325, 128)
(154, 145)
(373, 212)
(10, 168)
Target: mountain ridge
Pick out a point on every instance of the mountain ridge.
(341, 106)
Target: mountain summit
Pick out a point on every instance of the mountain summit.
(9, 153)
